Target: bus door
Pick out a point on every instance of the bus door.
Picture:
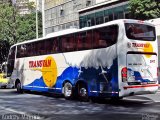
(141, 68)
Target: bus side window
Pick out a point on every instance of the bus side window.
(68, 43)
(11, 60)
(78, 41)
(114, 34)
(12, 53)
(28, 50)
(96, 38)
(105, 37)
(72, 42)
(48, 46)
(89, 40)
(64, 41)
(55, 45)
(21, 51)
(40, 48)
(81, 41)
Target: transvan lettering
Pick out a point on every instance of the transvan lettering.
(40, 63)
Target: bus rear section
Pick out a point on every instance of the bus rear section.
(140, 76)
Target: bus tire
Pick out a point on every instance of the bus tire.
(68, 90)
(18, 86)
(82, 92)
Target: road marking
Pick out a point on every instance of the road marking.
(21, 113)
(12, 110)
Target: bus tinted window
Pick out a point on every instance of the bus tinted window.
(105, 37)
(140, 32)
(88, 42)
(12, 53)
(11, 59)
(55, 45)
(81, 38)
(21, 51)
(48, 46)
(30, 49)
(91, 39)
(39, 48)
(68, 43)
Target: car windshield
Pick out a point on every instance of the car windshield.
(140, 32)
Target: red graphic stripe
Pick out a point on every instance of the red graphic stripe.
(141, 86)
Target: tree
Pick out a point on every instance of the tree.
(4, 48)
(31, 6)
(8, 23)
(144, 9)
(8, 26)
(27, 27)
(16, 28)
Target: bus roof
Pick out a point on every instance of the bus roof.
(74, 30)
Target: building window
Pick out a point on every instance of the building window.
(118, 13)
(88, 3)
(89, 23)
(110, 14)
(90, 19)
(61, 12)
(83, 22)
(99, 17)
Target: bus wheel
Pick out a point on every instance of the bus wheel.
(82, 92)
(67, 90)
(19, 89)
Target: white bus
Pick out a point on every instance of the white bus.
(114, 59)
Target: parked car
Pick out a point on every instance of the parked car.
(3, 80)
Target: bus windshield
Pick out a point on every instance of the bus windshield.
(140, 32)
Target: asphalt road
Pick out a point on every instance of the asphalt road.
(35, 106)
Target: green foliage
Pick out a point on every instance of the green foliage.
(8, 23)
(4, 48)
(16, 28)
(144, 9)
(27, 27)
(31, 6)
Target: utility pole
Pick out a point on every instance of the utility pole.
(37, 19)
(43, 18)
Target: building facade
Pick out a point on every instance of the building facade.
(65, 14)
(23, 5)
(104, 12)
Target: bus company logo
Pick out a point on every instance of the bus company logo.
(144, 47)
(48, 68)
(141, 45)
(39, 63)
